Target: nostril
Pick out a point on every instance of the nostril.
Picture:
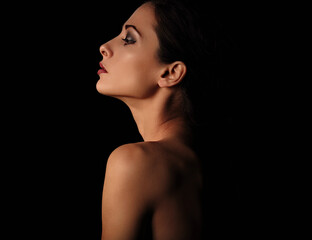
(105, 51)
(102, 50)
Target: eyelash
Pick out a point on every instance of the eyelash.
(127, 40)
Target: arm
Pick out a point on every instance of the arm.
(126, 195)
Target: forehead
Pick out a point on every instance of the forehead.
(143, 18)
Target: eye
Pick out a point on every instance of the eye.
(128, 40)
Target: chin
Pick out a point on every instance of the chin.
(103, 87)
(99, 87)
(106, 90)
(121, 90)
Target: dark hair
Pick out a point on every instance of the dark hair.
(182, 37)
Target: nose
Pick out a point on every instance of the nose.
(105, 51)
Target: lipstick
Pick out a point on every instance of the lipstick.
(102, 70)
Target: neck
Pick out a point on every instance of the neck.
(160, 117)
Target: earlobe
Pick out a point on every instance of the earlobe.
(173, 74)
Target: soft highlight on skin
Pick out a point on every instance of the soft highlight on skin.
(160, 176)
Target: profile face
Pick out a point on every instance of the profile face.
(130, 67)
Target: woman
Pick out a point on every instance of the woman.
(155, 184)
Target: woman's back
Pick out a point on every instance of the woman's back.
(172, 176)
(150, 66)
(177, 213)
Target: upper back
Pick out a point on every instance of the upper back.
(152, 185)
(177, 176)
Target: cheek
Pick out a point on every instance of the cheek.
(131, 76)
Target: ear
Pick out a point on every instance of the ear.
(172, 74)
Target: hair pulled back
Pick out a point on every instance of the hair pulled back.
(183, 37)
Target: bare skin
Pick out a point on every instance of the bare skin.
(159, 177)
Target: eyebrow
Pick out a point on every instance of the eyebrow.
(134, 27)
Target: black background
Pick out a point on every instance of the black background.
(60, 130)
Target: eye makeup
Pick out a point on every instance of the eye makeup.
(134, 27)
(129, 39)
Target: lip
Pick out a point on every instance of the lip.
(102, 70)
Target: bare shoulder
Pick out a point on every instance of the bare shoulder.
(134, 159)
(145, 175)
(149, 162)
(163, 163)
(129, 155)
(128, 192)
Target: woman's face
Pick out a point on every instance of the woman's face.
(132, 68)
